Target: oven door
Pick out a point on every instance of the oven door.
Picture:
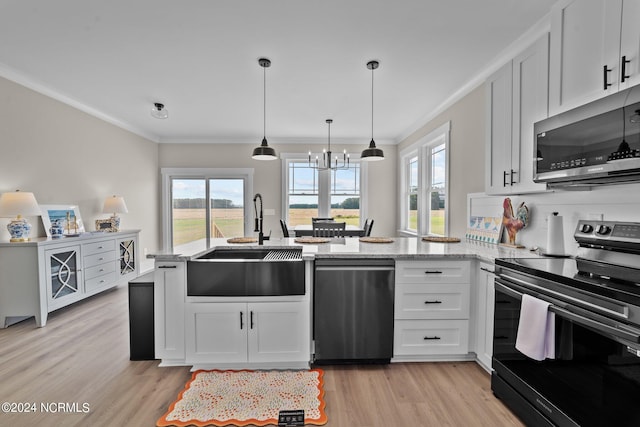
(593, 381)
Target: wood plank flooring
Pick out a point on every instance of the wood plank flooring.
(81, 360)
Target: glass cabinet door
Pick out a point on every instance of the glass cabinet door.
(63, 274)
(127, 256)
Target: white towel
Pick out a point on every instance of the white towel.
(536, 330)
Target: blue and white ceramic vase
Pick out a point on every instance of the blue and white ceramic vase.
(19, 230)
(57, 228)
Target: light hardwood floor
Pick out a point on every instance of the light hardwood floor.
(82, 357)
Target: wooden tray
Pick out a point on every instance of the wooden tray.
(242, 240)
(439, 239)
(312, 240)
(376, 239)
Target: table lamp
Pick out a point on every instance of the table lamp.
(115, 205)
(18, 203)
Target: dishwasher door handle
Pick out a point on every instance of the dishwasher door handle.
(355, 268)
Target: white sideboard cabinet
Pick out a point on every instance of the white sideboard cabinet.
(43, 275)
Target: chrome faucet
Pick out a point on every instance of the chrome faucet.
(258, 218)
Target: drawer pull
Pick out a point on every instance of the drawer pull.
(433, 302)
(100, 247)
(100, 259)
(167, 266)
(433, 272)
(432, 338)
(487, 270)
(101, 281)
(101, 270)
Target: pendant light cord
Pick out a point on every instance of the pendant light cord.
(264, 102)
(372, 68)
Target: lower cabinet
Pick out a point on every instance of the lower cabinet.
(169, 291)
(432, 300)
(253, 332)
(484, 314)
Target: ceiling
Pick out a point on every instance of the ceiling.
(115, 58)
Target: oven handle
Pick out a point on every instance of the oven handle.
(624, 309)
(631, 334)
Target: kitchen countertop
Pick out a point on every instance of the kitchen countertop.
(402, 248)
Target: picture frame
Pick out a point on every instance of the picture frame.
(53, 212)
(108, 225)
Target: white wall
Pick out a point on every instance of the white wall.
(65, 156)
(613, 203)
(267, 177)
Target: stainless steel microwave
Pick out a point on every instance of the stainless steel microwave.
(597, 143)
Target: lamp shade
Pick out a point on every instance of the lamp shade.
(18, 203)
(114, 205)
(372, 153)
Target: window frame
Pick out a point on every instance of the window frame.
(423, 150)
(324, 185)
(169, 174)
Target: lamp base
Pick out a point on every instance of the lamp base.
(19, 230)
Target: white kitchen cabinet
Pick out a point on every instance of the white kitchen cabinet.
(485, 294)
(432, 306)
(169, 293)
(595, 50)
(253, 333)
(517, 97)
(46, 274)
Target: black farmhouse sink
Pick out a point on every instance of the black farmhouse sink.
(246, 272)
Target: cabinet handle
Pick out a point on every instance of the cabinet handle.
(433, 302)
(623, 72)
(167, 266)
(241, 321)
(433, 272)
(504, 178)
(511, 178)
(606, 80)
(432, 338)
(251, 319)
(487, 270)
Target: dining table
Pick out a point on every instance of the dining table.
(307, 230)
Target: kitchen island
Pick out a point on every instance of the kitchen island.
(435, 315)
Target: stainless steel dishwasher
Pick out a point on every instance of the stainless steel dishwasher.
(353, 310)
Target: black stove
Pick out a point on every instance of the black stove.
(593, 377)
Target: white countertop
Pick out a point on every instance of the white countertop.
(408, 248)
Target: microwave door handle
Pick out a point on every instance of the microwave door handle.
(622, 331)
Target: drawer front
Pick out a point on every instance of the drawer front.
(433, 271)
(100, 258)
(432, 301)
(431, 337)
(99, 270)
(100, 282)
(97, 247)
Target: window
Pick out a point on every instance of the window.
(424, 167)
(200, 204)
(313, 193)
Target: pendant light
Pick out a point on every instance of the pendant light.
(372, 153)
(264, 152)
(326, 156)
(158, 111)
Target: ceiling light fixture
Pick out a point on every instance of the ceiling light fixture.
(264, 152)
(372, 153)
(326, 156)
(158, 111)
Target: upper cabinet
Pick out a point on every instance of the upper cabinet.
(595, 50)
(517, 97)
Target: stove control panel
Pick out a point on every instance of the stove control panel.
(607, 231)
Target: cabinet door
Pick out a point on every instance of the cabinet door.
(127, 256)
(279, 332)
(216, 332)
(168, 301)
(630, 43)
(530, 104)
(585, 38)
(63, 276)
(498, 137)
(484, 312)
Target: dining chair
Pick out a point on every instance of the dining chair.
(285, 230)
(328, 229)
(322, 220)
(368, 227)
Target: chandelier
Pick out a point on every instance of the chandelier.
(327, 162)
